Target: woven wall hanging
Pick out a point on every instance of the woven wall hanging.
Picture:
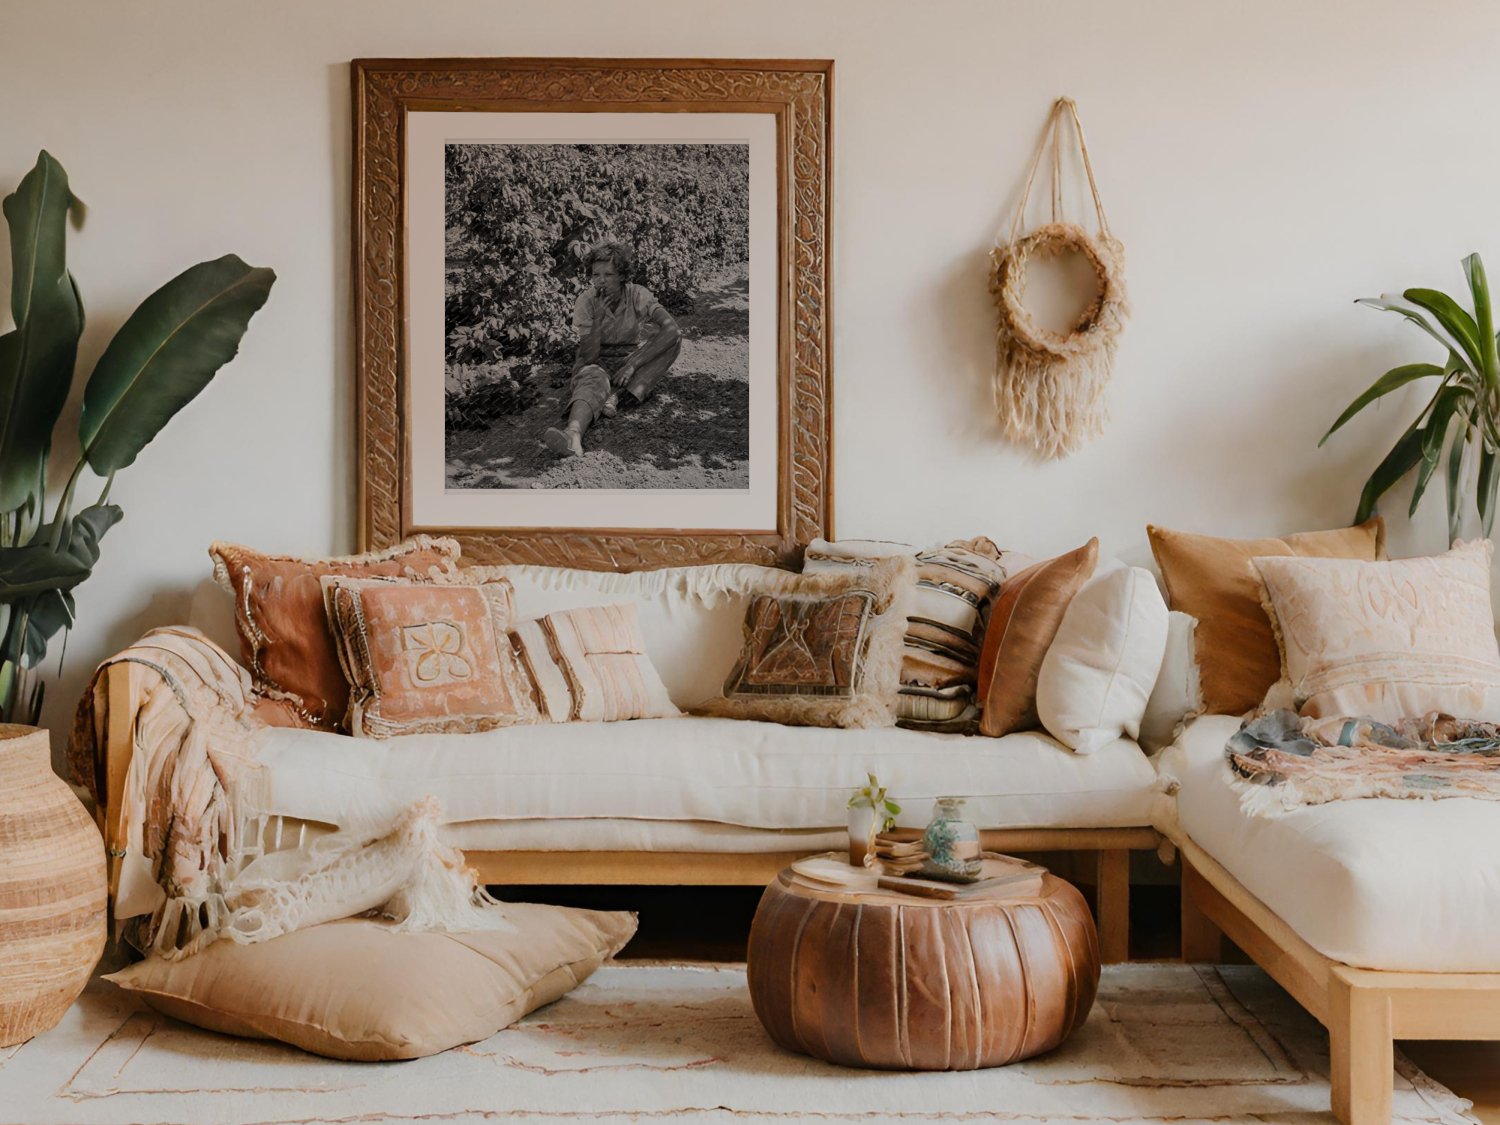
(1049, 386)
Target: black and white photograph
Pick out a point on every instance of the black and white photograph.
(596, 316)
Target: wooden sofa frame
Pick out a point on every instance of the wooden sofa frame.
(1364, 1010)
(1111, 846)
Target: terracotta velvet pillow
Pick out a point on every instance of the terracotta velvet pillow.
(824, 649)
(427, 657)
(1215, 581)
(1025, 619)
(285, 640)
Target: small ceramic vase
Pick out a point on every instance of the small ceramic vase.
(861, 832)
(951, 843)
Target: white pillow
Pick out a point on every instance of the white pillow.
(1178, 694)
(1098, 674)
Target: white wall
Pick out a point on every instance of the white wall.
(1264, 164)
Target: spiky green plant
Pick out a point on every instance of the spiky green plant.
(163, 355)
(1457, 427)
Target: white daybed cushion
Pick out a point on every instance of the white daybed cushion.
(732, 771)
(1378, 884)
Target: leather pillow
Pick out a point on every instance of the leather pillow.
(355, 989)
(1023, 623)
(285, 639)
(1215, 581)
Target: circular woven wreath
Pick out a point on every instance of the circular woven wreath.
(1096, 326)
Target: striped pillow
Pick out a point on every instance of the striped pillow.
(956, 583)
(590, 665)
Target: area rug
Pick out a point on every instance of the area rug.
(646, 1042)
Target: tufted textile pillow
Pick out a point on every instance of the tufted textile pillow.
(1100, 668)
(590, 665)
(1026, 617)
(823, 650)
(1390, 640)
(355, 990)
(427, 657)
(956, 584)
(1213, 580)
(285, 640)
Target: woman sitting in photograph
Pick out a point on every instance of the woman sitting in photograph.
(626, 343)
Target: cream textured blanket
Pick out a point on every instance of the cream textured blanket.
(197, 858)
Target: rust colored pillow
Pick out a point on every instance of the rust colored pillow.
(1023, 622)
(1214, 580)
(427, 657)
(284, 635)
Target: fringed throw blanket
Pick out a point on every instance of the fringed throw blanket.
(191, 841)
(1281, 761)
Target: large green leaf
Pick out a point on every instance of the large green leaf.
(1393, 379)
(1448, 402)
(1488, 480)
(35, 568)
(164, 355)
(1402, 458)
(1484, 317)
(37, 356)
(1396, 303)
(1455, 321)
(1455, 474)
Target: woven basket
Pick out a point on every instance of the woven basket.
(52, 889)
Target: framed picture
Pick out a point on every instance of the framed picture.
(592, 307)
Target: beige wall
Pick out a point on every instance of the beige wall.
(1264, 164)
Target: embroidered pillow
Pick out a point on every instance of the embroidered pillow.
(284, 635)
(823, 649)
(590, 665)
(1388, 640)
(956, 584)
(1026, 617)
(1213, 580)
(424, 657)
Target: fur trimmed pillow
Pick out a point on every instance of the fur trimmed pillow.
(823, 649)
(285, 639)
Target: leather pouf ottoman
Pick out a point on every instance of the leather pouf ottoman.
(889, 980)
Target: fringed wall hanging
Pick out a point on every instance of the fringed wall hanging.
(1049, 386)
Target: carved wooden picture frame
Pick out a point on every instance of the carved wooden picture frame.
(390, 99)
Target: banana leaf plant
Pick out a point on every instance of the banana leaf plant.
(1457, 427)
(164, 354)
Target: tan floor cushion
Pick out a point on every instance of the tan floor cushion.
(358, 990)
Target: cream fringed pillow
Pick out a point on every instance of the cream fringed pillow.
(1390, 640)
(356, 990)
(590, 665)
(425, 657)
(823, 650)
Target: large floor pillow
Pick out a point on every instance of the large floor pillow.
(358, 990)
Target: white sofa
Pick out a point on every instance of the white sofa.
(693, 800)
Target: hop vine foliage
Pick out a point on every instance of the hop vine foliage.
(521, 219)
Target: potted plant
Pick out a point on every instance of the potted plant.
(162, 356)
(871, 811)
(1457, 427)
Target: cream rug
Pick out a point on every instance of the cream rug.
(640, 1042)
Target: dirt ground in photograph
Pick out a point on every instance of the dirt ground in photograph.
(693, 432)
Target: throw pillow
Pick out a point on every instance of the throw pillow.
(285, 640)
(1099, 670)
(956, 585)
(1388, 640)
(356, 990)
(1213, 580)
(1177, 695)
(823, 649)
(423, 657)
(590, 665)
(1026, 617)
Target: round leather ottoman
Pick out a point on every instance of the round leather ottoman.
(884, 979)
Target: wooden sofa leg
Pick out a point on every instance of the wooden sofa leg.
(1361, 1052)
(1202, 941)
(1112, 886)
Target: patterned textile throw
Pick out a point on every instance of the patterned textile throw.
(1281, 761)
(956, 584)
